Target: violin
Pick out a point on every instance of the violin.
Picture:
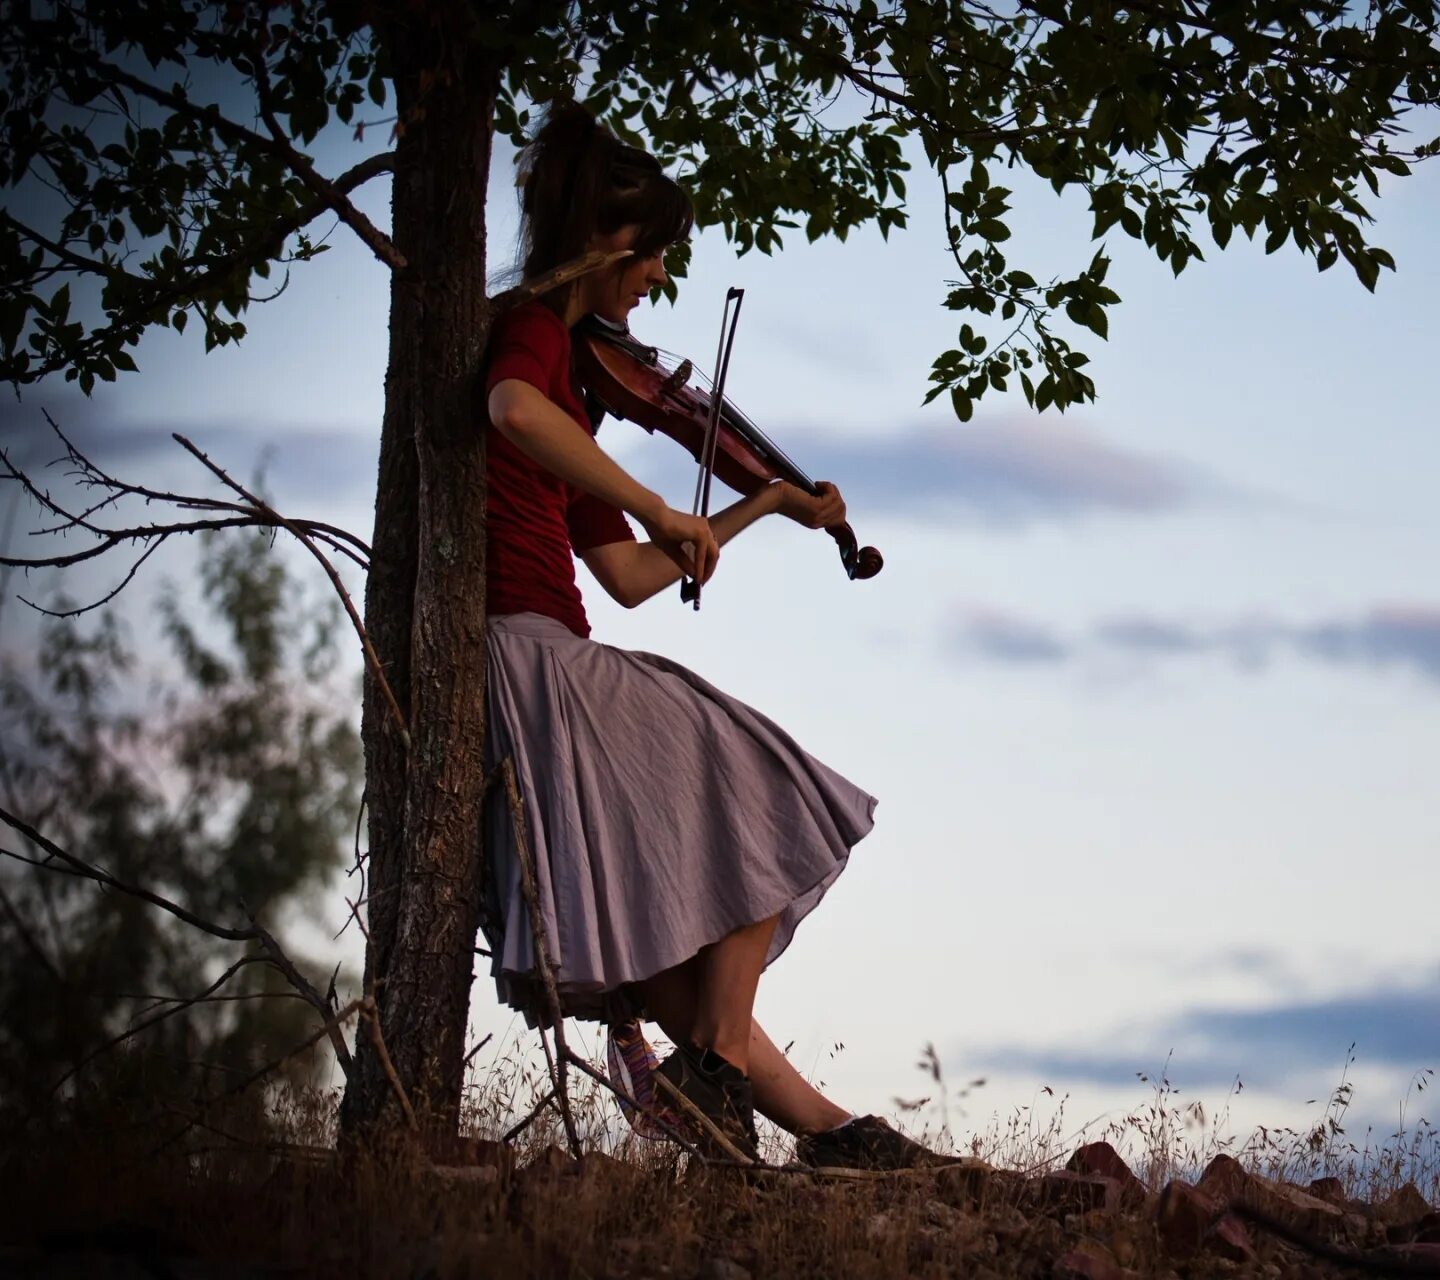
(631, 380)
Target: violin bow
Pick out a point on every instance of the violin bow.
(556, 276)
(690, 587)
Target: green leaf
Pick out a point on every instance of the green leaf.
(1367, 270)
(964, 406)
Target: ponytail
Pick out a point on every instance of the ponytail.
(577, 179)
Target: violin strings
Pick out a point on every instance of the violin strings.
(737, 418)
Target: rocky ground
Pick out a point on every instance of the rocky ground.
(600, 1217)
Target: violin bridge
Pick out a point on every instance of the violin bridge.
(678, 379)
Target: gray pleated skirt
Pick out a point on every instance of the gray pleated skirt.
(662, 815)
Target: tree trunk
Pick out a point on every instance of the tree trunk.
(425, 598)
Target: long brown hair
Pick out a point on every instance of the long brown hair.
(577, 179)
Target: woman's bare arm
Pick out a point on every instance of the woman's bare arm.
(632, 572)
(539, 428)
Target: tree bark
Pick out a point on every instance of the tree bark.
(425, 598)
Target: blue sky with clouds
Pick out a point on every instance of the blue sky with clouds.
(1150, 693)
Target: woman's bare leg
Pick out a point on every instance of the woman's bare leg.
(671, 997)
(729, 972)
(782, 1094)
(709, 1000)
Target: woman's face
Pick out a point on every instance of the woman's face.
(615, 292)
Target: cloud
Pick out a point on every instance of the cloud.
(1401, 636)
(1002, 637)
(1275, 1046)
(1010, 474)
(1007, 474)
(328, 461)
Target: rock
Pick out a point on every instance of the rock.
(550, 1157)
(1124, 1247)
(1403, 1208)
(1189, 1222)
(480, 1151)
(1061, 1193)
(1226, 1180)
(964, 1232)
(1089, 1260)
(546, 1168)
(599, 1169)
(717, 1268)
(1182, 1217)
(456, 1177)
(1331, 1190)
(1008, 1223)
(878, 1226)
(1229, 1239)
(1411, 1255)
(1102, 1160)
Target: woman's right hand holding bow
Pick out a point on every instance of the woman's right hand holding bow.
(688, 540)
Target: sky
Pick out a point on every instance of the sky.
(1149, 693)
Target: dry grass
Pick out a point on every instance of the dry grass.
(263, 1185)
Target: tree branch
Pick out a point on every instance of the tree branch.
(329, 1025)
(76, 261)
(303, 985)
(217, 271)
(29, 939)
(372, 659)
(379, 243)
(370, 1011)
(134, 1030)
(79, 867)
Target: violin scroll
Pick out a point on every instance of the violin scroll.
(860, 562)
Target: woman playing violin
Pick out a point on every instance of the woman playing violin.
(679, 836)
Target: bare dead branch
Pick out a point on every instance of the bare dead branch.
(107, 597)
(309, 1042)
(157, 1001)
(357, 866)
(372, 659)
(518, 1128)
(31, 942)
(670, 1131)
(90, 475)
(530, 890)
(465, 1062)
(302, 984)
(145, 1024)
(79, 867)
(372, 1014)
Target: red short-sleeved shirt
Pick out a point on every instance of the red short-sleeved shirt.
(535, 520)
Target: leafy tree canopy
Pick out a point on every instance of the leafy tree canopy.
(223, 773)
(156, 153)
